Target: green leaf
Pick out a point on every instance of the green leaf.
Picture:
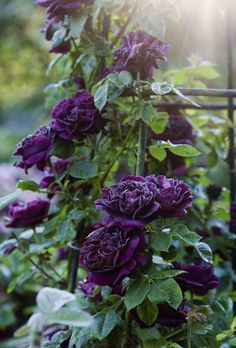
(157, 152)
(204, 251)
(28, 185)
(136, 293)
(63, 148)
(158, 125)
(147, 312)
(70, 317)
(10, 199)
(166, 291)
(101, 95)
(160, 275)
(66, 231)
(104, 323)
(125, 77)
(160, 241)
(182, 233)
(161, 88)
(78, 23)
(149, 114)
(84, 169)
(183, 150)
(148, 333)
(232, 342)
(50, 300)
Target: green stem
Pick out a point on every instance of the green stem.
(73, 264)
(141, 148)
(111, 165)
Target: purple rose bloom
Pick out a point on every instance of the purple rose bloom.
(62, 7)
(199, 277)
(133, 198)
(179, 131)
(77, 116)
(139, 52)
(171, 317)
(214, 191)
(62, 254)
(24, 214)
(35, 149)
(111, 253)
(173, 196)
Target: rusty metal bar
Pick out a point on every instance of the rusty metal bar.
(192, 92)
(184, 106)
(231, 156)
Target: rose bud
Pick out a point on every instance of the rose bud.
(111, 253)
(199, 278)
(35, 149)
(22, 214)
(214, 191)
(77, 116)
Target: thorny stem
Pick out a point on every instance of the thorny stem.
(111, 165)
(141, 148)
(74, 258)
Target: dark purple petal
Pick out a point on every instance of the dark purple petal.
(112, 253)
(199, 278)
(23, 214)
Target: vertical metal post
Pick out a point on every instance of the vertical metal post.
(229, 34)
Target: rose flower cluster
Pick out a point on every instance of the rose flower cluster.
(56, 21)
(72, 119)
(117, 248)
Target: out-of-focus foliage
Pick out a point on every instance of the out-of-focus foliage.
(23, 61)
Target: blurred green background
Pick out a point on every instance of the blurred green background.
(198, 28)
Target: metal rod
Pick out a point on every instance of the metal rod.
(231, 156)
(184, 106)
(194, 92)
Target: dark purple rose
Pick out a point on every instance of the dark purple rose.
(22, 214)
(111, 253)
(139, 52)
(199, 277)
(62, 7)
(214, 191)
(62, 254)
(232, 223)
(171, 317)
(133, 198)
(173, 196)
(77, 116)
(179, 130)
(35, 149)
